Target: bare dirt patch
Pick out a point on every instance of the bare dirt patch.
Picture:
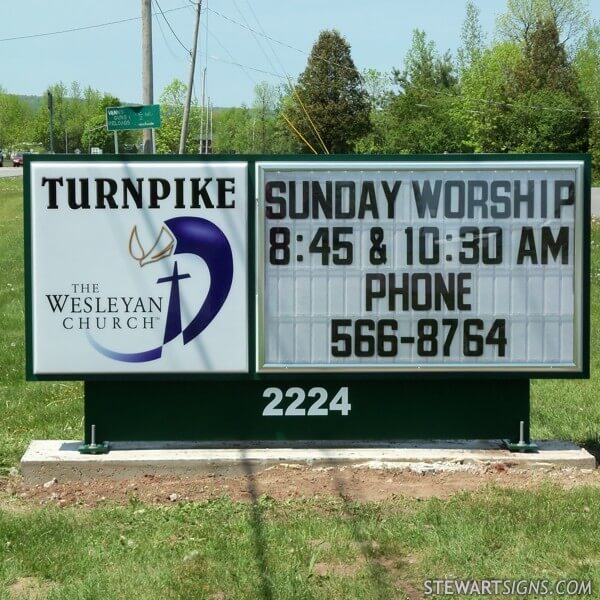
(325, 569)
(294, 481)
(30, 588)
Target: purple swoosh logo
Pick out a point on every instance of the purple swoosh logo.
(205, 240)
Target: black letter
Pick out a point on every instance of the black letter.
(339, 199)
(481, 202)
(559, 186)
(275, 201)
(374, 293)
(368, 201)
(53, 181)
(101, 195)
(222, 190)
(198, 190)
(561, 244)
(459, 213)
(135, 192)
(497, 198)
(527, 197)
(527, 247)
(390, 196)
(154, 195)
(72, 193)
(426, 199)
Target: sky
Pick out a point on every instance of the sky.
(109, 57)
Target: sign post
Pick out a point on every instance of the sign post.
(232, 299)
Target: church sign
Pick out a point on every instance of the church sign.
(291, 287)
(139, 268)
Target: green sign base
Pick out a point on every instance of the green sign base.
(306, 409)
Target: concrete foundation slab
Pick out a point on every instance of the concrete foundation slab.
(48, 459)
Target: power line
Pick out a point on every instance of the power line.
(292, 88)
(233, 60)
(83, 28)
(586, 113)
(284, 44)
(589, 114)
(212, 10)
(172, 30)
(254, 35)
(166, 41)
(237, 64)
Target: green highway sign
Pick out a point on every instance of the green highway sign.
(119, 118)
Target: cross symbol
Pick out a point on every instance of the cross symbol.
(173, 325)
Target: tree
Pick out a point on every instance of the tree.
(379, 88)
(524, 96)
(587, 65)
(172, 101)
(423, 66)
(522, 17)
(233, 131)
(329, 98)
(95, 134)
(255, 129)
(546, 90)
(423, 115)
(15, 118)
(41, 121)
(472, 38)
(77, 112)
(544, 61)
(486, 94)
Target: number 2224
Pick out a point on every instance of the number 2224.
(297, 395)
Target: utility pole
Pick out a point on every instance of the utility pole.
(147, 76)
(202, 145)
(51, 109)
(188, 99)
(210, 132)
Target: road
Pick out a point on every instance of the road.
(596, 201)
(17, 171)
(11, 171)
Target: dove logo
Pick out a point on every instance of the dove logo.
(178, 236)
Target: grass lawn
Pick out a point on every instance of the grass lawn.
(318, 548)
(570, 409)
(326, 549)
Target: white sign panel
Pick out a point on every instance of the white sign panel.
(139, 267)
(420, 266)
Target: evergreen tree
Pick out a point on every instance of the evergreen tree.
(329, 97)
(549, 110)
(471, 37)
(523, 16)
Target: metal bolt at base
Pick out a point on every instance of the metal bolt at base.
(93, 447)
(521, 445)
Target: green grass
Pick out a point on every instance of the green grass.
(29, 410)
(570, 409)
(326, 548)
